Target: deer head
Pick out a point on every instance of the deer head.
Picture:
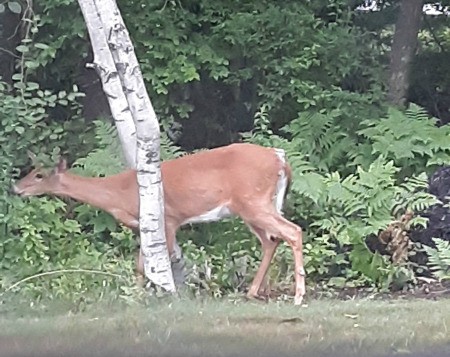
(40, 180)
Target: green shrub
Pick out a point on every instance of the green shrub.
(41, 235)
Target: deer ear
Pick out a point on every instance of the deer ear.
(33, 158)
(62, 166)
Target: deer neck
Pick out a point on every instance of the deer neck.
(95, 191)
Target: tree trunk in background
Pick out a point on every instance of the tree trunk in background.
(10, 38)
(403, 47)
(106, 69)
(116, 43)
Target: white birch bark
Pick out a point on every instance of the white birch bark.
(151, 211)
(106, 69)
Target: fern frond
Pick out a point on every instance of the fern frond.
(416, 112)
(439, 258)
(309, 184)
(409, 138)
(107, 158)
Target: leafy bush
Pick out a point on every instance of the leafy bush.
(73, 249)
(341, 205)
(338, 212)
(40, 235)
(221, 257)
(211, 64)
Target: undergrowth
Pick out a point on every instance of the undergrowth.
(338, 206)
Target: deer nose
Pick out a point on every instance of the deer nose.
(14, 190)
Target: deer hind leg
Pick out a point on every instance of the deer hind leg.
(269, 247)
(274, 225)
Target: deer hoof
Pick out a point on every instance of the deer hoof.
(256, 298)
(298, 300)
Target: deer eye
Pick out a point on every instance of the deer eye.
(39, 176)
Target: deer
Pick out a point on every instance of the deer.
(241, 179)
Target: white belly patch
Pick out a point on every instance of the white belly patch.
(215, 214)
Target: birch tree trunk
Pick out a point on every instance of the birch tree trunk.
(106, 69)
(126, 71)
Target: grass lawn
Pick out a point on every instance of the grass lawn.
(225, 328)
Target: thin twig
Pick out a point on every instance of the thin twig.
(164, 6)
(62, 271)
(9, 52)
(28, 11)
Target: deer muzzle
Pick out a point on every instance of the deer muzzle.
(16, 190)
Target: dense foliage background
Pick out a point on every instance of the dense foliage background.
(310, 77)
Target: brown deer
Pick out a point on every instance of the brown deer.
(242, 180)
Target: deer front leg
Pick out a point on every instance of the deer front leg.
(140, 273)
(132, 222)
(269, 247)
(126, 219)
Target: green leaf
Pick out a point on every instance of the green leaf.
(338, 282)
(32, 85)
(17, 77)
(20, 129)
(23, 48)
(20, 85)
(14, 7)
(31, 64)
(41, 46)
(52, 98)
